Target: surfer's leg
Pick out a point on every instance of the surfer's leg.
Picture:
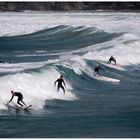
(63, 89)
(18, 101)
(23, 102)
(97, 72)
(58, 87)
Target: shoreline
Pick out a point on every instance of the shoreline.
(72, 11)
(69, 6)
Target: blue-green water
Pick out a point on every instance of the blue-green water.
(38, 47)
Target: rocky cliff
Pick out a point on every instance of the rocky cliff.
(68, 6)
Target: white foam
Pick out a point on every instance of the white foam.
(73, 61)
(25, 23)
(126, 51)
(17, 67)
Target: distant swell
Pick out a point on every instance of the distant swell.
(57, 38)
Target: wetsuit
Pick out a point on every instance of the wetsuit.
(60, 81)
(97, 69)
(112, 59)
(20, 98)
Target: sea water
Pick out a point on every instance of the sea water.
(38, 47)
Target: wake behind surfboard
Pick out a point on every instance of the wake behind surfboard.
(114, 66)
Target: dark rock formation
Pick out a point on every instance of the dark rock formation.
(68, 6)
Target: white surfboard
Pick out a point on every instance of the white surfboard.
(18, 107)
(27, 107)
(108, 79)
(100, 77)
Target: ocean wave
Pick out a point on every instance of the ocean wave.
(38, 58)
(57, 38)
(26, 23)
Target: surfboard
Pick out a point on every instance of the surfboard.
(27, 107)
(18, 107)
(104, 78)
(100, 77)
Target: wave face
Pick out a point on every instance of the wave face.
(38, 47)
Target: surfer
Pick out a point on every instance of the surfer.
(60, 81)
(112, 59)
(96, 70)
(20, 98)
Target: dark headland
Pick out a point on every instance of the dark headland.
(69, 6)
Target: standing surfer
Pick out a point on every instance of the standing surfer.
(60, 85)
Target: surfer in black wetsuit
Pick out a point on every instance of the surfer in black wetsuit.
(60, 81)
(96, 70)
(112, 59)
(20, 98)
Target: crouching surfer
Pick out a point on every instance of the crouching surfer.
(19, 99)
(96, 70)
(112, 59)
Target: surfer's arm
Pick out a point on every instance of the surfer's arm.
(55, 82)
(11, 98)
(102, 68)
(115, 61)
